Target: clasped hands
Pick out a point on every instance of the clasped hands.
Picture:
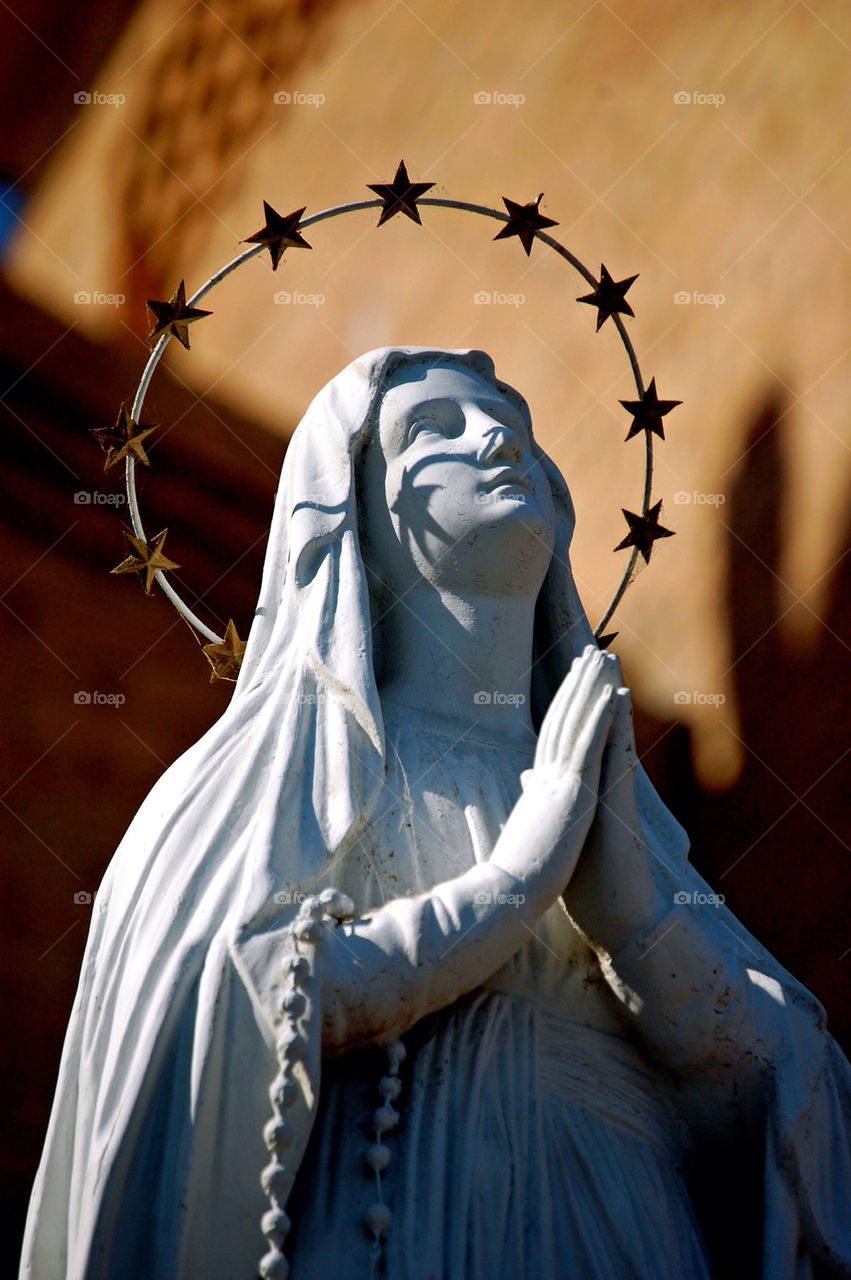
(575, 829)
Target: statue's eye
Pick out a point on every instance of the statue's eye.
(440, 417)
(420, 424)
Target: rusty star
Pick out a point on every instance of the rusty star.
(523, 221)
(648, 412)
(608, 297)
(148, 557)
(225, 656)
(280, 232)
(400, 195)
(643, 531)
(174, 317)
(124, 439)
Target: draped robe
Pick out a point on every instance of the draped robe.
(154, 1149)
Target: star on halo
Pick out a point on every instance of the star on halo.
(609, 296)
(648, 412)
(148, 557)
(124, 439)
(280, 232)
(400, 195)
(644, 530)
(225, 656)
(523, 221)
(174, 317)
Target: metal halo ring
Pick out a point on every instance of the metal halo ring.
(333, 212)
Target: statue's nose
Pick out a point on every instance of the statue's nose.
(499, 443)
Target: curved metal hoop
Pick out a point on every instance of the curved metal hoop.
(334, 212)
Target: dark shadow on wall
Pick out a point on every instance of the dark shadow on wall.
(777, 844)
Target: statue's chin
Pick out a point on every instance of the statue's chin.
(507, 552)
(512, 516)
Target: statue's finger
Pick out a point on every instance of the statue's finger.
(597, 676)
(593, 737)
(620, 759)
(546, 752)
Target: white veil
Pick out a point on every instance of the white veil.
(154, 1151)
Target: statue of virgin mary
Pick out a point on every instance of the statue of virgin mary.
(599, 1073)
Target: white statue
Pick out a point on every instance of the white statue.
(604, 1075)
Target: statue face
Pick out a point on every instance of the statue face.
(452, 490)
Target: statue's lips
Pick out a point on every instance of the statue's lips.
(507, 477)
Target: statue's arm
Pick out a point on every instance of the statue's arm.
(382, 972)
(413, 956)
(692, 1001)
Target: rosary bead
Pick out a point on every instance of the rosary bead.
(274, 1266)
(294, 1003)
(378, 1157)
(308, 931)
(338, 905)
(275, 1223)
(378, 1218)
(283, 1093)
(390, 1087)
(277, 1135)
(276, 1181)
(396, 1052)
(291, 1043)
(384, 1119)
